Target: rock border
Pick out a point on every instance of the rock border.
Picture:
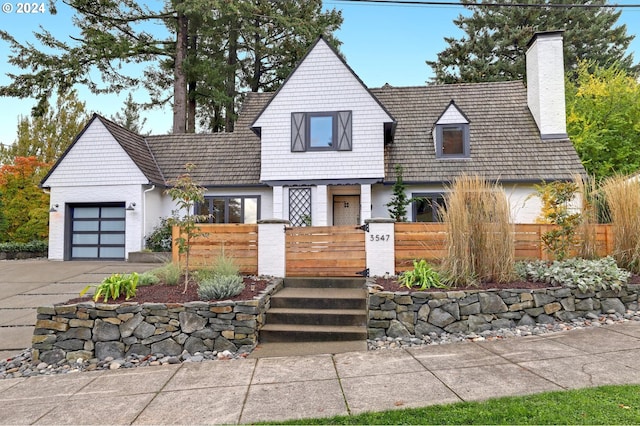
(420, 313)
(97, 330)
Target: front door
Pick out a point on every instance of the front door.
(346, 210)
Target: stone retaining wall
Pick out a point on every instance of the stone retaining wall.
(418, 314)
(97, 330)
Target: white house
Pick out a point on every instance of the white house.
(322, 150)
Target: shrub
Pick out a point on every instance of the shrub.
(586, 275)
(223, 265)
(480, 245)
(556, 198)
(148, 278)
(422, 275)
(623, 199)
(169, 273)
(591, 206)
(160, 238)
(35, 246)
(220, 287)
(114, 286)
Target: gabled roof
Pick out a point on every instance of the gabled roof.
(309, 51)
(133, 144)
(504, 139)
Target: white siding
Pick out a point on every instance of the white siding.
(322, 83)
(95, 194)
(96, 159)
(525, 205)
(452, 116)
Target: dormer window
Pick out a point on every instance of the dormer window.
(321, 131)
(451, 134)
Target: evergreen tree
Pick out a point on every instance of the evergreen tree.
(129, 116)
(397, 207)
(198, 67)
(494, 45)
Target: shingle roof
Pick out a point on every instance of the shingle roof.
(136, 147)
(220, 158)
(504, 140)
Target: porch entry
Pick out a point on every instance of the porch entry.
(324, 251)
(346, 210)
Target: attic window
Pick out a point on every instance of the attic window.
(452, 140)
(451, 134)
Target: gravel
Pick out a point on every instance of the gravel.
(22, 364)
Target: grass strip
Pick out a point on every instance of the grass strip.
(601, 405)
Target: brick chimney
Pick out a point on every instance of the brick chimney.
(545, 84)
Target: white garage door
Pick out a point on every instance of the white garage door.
(97, 232)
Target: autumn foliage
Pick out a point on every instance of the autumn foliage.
(24, 206)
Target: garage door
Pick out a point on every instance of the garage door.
(97, 232)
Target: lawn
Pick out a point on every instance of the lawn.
(602, 405)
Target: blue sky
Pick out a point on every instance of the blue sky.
(382, 43)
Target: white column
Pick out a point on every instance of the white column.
(380, 247)
(277, 202)
(271, 247)
(319, 206)
(365, 202)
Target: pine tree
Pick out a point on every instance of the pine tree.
(129, 116)
(494, 45)
(397, 207)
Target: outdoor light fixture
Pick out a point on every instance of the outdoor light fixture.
(54, 208)
(131, 207)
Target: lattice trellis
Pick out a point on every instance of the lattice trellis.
(300, 206)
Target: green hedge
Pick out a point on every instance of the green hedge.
(30, 247)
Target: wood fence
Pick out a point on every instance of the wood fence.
(237, 241)
(428, 241)
(334, 251)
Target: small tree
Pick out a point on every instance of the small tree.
(186, 193)
(556, 197)
(397, 207)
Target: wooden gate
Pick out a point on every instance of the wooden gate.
(325, 251)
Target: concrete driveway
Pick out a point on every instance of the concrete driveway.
(27, 284)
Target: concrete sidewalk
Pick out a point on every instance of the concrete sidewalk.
(27, 284)
(275, 389)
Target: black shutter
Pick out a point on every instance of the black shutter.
(298, 132)
(344, 131)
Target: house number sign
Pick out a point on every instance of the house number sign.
(379, 237)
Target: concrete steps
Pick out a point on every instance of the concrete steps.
(317, 310)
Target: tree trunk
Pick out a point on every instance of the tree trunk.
(232, 60)
(257, 63)
(192, 87)
(180, 78)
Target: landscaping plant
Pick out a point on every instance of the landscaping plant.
(622, 194)
(422, 275)
(586, 275)
(591, 205)
(160, 238)
(556, 200)
(220, 287)
(115, 285)
(186, 193)
(169, 273)
(480, 244)
(222, 281)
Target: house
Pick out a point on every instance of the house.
(321, 150)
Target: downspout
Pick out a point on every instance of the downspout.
(144, 212)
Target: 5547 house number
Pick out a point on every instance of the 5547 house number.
(379, 237)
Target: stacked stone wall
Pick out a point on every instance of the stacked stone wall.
(98, 330)
(417, 314)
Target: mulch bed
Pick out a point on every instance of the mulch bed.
(162, 293)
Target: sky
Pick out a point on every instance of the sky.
(381, 43)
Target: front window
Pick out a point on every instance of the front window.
(231, 209)
(428, 207)
(320, 131)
